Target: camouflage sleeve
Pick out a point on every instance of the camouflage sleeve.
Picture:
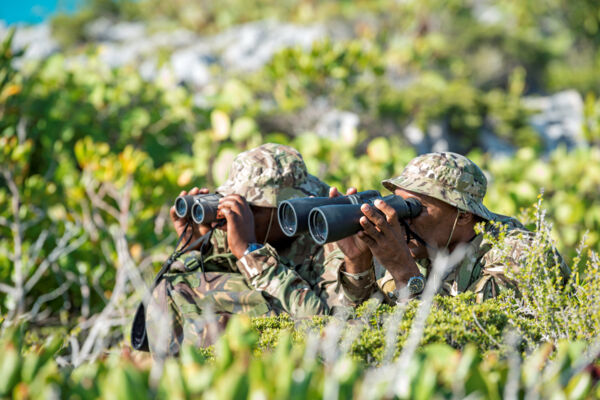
(356, 288)
(498, 268)
(264, 271)
(343, 289)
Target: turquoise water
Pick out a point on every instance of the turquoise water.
(33, 11)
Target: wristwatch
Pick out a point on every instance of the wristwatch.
(252, 247)
(414, 286)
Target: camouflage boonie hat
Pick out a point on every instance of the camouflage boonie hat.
(269, 174)
(449, 177)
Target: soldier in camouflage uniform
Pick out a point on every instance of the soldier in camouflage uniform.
(252, 268)
(451, 189)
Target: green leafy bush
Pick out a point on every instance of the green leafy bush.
(293, 371)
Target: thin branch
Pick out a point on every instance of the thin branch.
(49, 297)
(17, 232)
(36, 249)
(483, 330)
(88, 222)
(7, 289)
(62, 248)
(100, 203)
(39, 215)
(21, 132)
(85, 296)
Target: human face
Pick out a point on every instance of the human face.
(434, 223)
(263, 217)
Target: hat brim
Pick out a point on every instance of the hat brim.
(462, 202)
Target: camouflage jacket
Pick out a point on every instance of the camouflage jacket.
(485, 269)
(191, 306)
(299, 280)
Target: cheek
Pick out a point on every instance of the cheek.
(420, 224)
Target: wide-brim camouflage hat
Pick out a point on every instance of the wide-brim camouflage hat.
(269, 174)
(449, 177)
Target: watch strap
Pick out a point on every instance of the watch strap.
(252, 247)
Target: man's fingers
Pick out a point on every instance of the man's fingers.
(230, 206)
(204, 191)
(334, 192)
(236, 198)
(390, 213)
(369, 228)
(377, 219)
(367, 239)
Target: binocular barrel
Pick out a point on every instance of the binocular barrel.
(330, 223)
(201, 208)
(293, 214)
(183, 205)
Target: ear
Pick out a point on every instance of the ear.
(465, 218)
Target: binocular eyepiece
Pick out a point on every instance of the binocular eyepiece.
(330, 223)
(293, 215)
(201, 208)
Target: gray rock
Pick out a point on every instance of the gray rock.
(436, 138)
(192, 67)
(148, 69)
(118, 55)
(416, 137)
(497, 147)
(559, 118)
(488, 13)
(104, 29)
(338, 125)
(36, 40)
(248, 47)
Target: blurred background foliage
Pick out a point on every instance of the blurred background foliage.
(92, 156)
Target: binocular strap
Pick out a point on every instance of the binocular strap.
(410, 234)
(139, 339)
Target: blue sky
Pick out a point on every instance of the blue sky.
(32, 11)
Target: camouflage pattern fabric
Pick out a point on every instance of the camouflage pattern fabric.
(449, 177)
(300, 281)
(485, 269)
(269, 174)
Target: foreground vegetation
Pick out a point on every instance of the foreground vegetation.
(297, 371)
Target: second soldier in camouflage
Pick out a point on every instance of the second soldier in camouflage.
(451, 188)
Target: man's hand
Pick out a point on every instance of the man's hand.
(240, 223)
(179, 223)
(357, 254)
(386, 238)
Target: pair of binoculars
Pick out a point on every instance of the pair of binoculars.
(329, 219)
(201, 208)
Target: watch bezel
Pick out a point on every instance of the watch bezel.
(416, 284)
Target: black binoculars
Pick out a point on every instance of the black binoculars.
(293, 214)
(201, 208)
(330, 223)
(329, 219)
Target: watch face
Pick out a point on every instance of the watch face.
(416, 284)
